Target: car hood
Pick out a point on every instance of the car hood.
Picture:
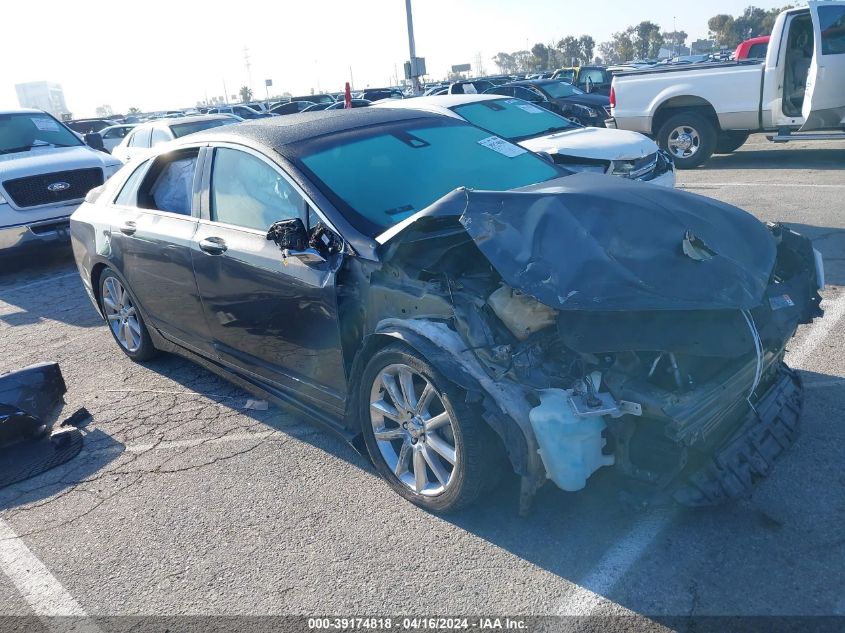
(49, 159)
(599, 243)
(594, 143)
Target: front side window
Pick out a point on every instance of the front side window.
(248, 192)
(22, 132)
(169, 184)
(832, 26)
(513, 119)
(381, 175)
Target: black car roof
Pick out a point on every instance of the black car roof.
(277, 132)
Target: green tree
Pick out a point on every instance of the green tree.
(570, 50)
(676, 40)
(646, 39)
(134, 111)
(505, 63)
(586, 46)
(541, 53)
(104, 111)
(245, 93)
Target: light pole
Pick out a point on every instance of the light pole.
(412, 48)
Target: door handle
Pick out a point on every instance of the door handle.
(128, 228)
(213, 245)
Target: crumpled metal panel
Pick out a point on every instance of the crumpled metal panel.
(601, 244)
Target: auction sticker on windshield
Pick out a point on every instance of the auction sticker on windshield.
(45, 125)
(502, 146)
(529, 108)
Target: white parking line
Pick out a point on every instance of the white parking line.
(613, 565)
(790, 185)
(588, 595)
(42, 591)
(834, 310)
(38, 283)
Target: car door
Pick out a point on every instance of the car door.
(113, 137)
(138, 143)
(273, 318)
(153, 223)
(824, 99)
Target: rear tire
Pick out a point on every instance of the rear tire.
(120, 309)
(442, 466)
(729, 142)
(689, 137)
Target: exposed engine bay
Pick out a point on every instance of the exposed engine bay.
(658, 353)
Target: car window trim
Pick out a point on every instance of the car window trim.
(205, 216)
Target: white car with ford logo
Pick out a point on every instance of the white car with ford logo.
(45, 174)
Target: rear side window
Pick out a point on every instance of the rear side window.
(595, 75)
(758, 51)
(141, 138)
(169, 184)
(832, 23)
(127, 196)
(160, 136)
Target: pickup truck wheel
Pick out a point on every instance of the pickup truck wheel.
(729, 142)
(689, 137)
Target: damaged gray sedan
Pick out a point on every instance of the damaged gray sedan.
(461, 304)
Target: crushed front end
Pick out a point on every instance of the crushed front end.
(613, 325)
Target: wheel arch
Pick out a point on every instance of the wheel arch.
(684, 103)
(516, 441)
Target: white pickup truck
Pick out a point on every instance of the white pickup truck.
(45, 173)
(698, 109)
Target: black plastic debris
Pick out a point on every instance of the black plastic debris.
(30, 402)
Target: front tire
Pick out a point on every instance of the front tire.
(689, 138)
(125, 322)
(421, 435)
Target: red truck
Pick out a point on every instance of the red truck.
(755, 48)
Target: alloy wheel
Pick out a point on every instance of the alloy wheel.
(684, 141)
(121, 315)
(413, 430)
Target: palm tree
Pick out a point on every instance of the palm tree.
(246, 94)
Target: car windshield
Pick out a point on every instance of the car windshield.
(558, 89)
(183, 129)
(381, 175)
(566, 75)
(22, 131)
(513, 119)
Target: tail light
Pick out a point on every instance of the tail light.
(612, 96)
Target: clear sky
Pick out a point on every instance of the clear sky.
(155, 54)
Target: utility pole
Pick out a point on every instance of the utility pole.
(412, 48)
(248, 67)
(674, 37)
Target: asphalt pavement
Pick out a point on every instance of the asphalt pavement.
(184, 502)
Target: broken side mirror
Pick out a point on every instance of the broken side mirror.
(292, 238)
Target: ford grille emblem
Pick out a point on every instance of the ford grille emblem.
(58, 186)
